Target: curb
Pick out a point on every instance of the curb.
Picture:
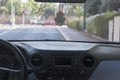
(4, 32)
(97, 37)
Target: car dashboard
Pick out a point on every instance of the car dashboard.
(54, 60)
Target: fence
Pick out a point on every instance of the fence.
(4, 19)
(114, 29)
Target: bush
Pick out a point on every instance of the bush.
(101, 24)
(98, 24)
(74, 24)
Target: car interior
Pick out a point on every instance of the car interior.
(59, 60)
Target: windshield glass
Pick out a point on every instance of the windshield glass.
(94, 20)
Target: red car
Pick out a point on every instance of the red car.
(49, 23)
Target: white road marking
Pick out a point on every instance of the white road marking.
(10, 28)
(66, 37)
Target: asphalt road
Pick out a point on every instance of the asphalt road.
(37, 32)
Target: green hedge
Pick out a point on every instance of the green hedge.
(73, 24)
(97, 25)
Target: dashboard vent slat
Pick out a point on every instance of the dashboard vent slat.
(36, 60)
(88, 61)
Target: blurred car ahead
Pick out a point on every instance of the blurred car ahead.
(47, 22)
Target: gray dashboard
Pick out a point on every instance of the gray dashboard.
(106, 65)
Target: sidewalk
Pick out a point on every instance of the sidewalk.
(79, 36)
(4, 28)
(8, 27)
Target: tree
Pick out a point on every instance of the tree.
(3, 2)
(7, 7)
(38, 8)
(110, 5)
(79, 11)
(3, 8)
(74, 9)
(31, 6)
(93, 6)
(49, 12)
(98, 6)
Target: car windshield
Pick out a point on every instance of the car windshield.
(94, 20)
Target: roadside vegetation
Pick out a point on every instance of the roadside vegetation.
(30, 9)
(97, 24)
(99, 12)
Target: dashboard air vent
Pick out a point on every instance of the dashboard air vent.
(36, 60)
(88, 61)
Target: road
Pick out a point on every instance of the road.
(37, 32)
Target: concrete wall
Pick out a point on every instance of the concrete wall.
(114, 29)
